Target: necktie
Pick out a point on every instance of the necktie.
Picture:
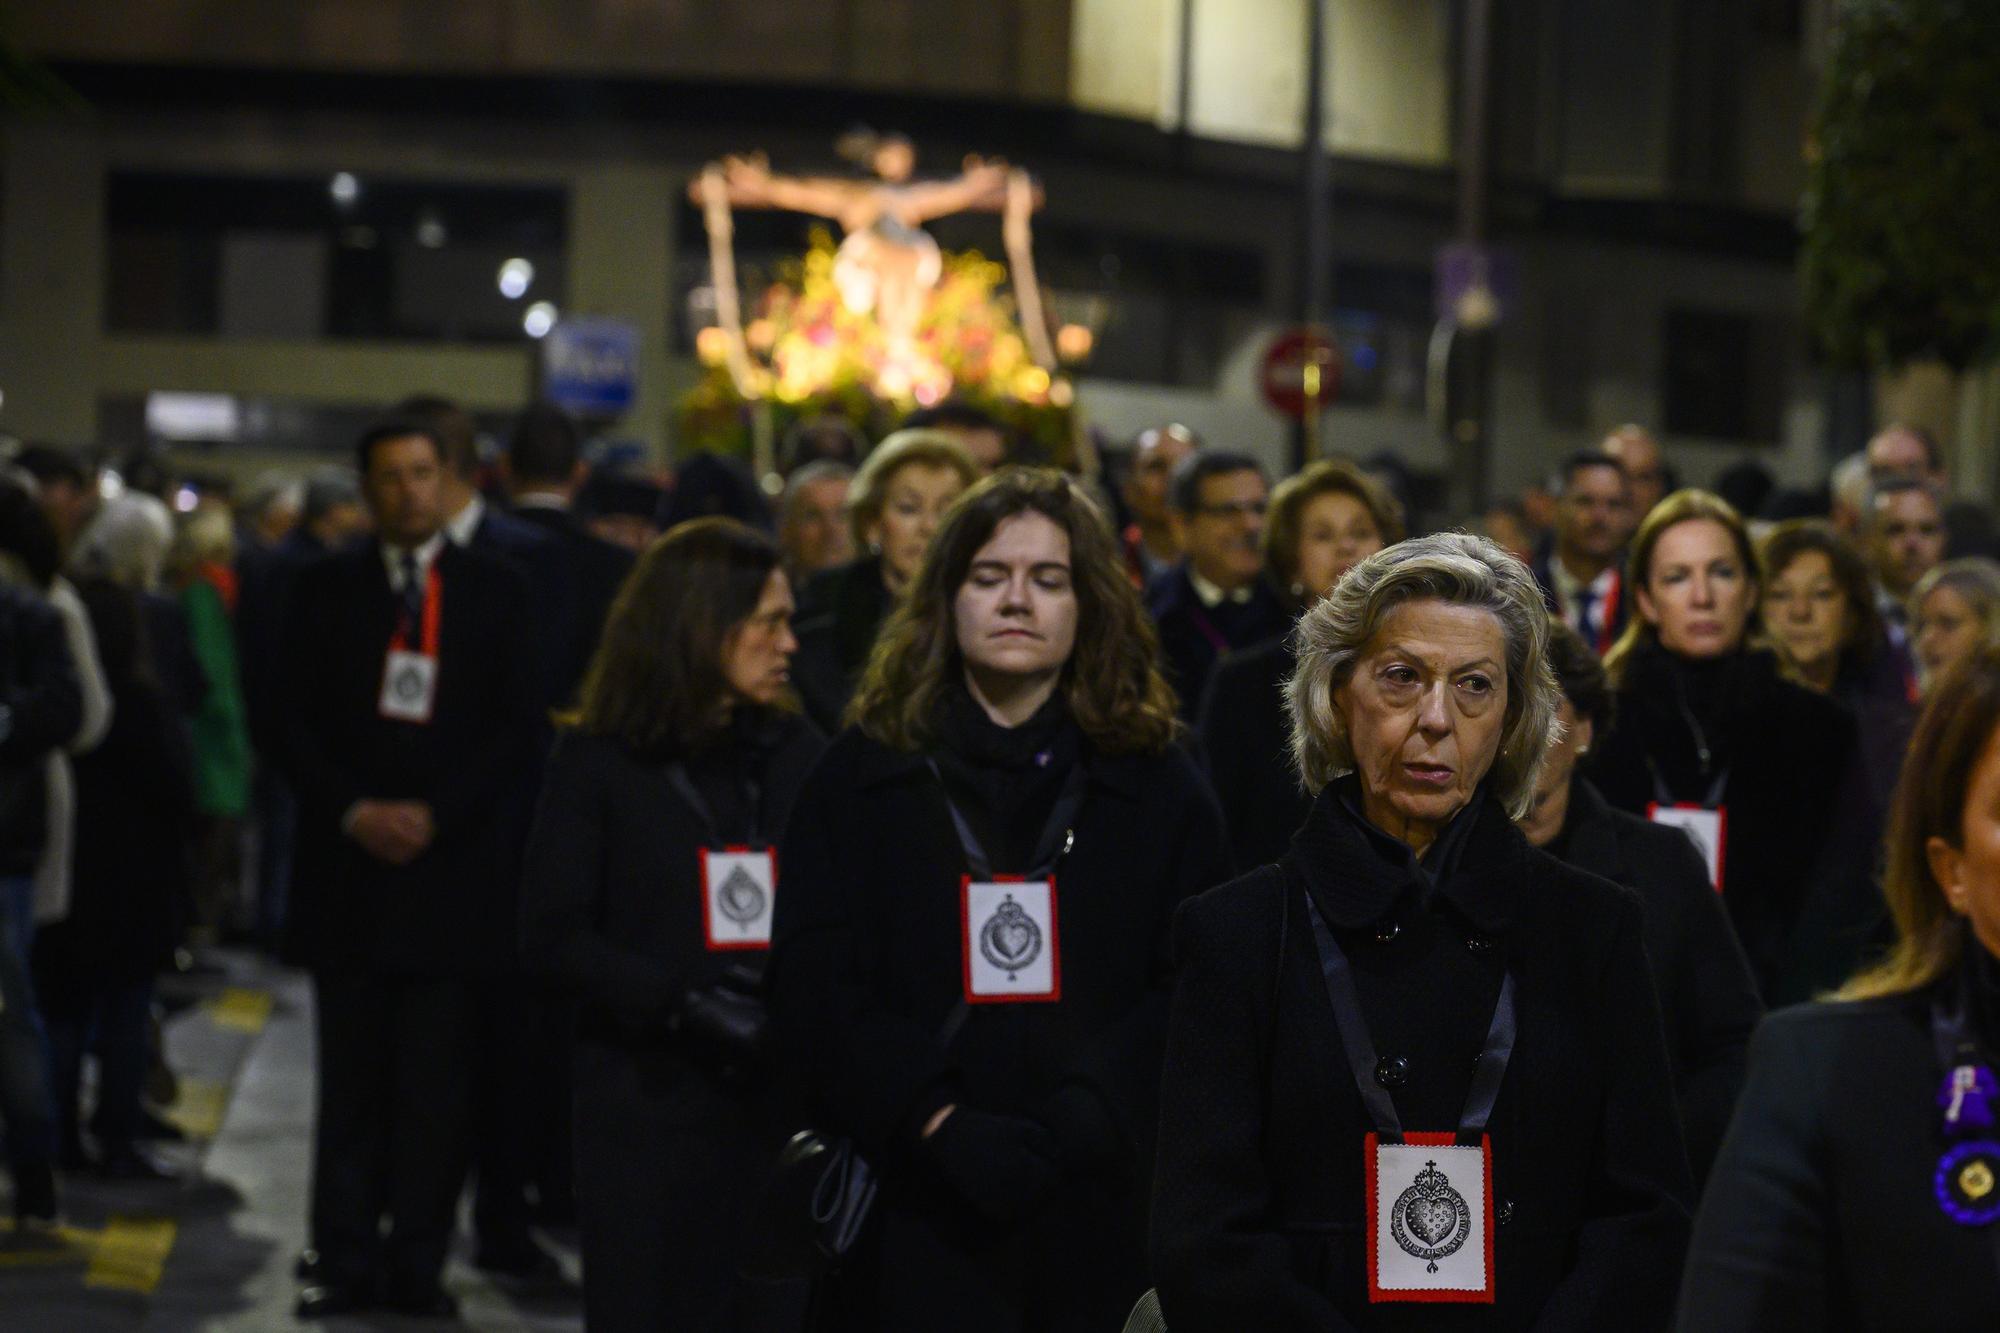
(413, 598)
(1586, 597)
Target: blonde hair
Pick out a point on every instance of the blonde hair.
(1453, 567)
(922, 447)
(1328, 476)
(1953, 732)
(1681, 507)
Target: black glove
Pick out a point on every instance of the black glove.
(1003, 1165)
(1088, 1139)
(723, 1025)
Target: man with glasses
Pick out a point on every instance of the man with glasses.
(1216, 599)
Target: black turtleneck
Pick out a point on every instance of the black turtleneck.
(1005, 780)
(1983, 991)
(728, 770)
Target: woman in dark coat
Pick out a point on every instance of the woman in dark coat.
(1321, 522)
(1708, 999)
(1764, 772)
(893, 506)
(684, 746)
(1859, 1186)
(1492, 1003)
(992, 1044)
(135, 812)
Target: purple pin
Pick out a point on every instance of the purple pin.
(1968, 1098)
(1967, 1183)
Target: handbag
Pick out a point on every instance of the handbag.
(817, 1199)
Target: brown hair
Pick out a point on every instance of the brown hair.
(1789, 540)
(1952, 734)
(656, 682)
(867, 493)
(1112, 680)
(1680, 507)
(1288, 507)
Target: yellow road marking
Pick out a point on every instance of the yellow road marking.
(198, 1111)
(240, 1010)
(131, 1253)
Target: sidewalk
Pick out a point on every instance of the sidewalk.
(214, 1253)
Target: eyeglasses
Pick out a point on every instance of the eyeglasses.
(1237, 509)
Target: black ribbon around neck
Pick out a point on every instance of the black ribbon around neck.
(1057, 830)
(1359, 1044)
(683, 784)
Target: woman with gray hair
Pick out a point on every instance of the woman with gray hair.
(1417, 1060)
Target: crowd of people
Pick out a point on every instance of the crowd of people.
(952, 893)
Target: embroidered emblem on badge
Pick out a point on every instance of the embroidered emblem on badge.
(1431, 1220)
(1010, 940)
(408, 685)
(741, 897)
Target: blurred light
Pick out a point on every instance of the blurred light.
(1074, 341)
(344, 188)
(1062, 393)
(192, 416)
(185, 499)
(711, 345)
(431, 233)
(515, 275)
(1032, 383)
(110, 484)
(538, 319)
(761, 334)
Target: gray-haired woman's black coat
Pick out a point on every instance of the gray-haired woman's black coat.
(1258, 1213)
(865, 972)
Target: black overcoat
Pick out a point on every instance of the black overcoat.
(1708, 999)
(1193, 637)
(1246, 741)
(1258, 1216)
(1802, 830)
(1820, 1215)
(669, 1149)
(451, 911)
(868, 968)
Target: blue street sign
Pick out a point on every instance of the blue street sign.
(590, 366)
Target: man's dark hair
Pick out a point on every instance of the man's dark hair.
(26, 533)
(545, 445)
(451, 426)
(953, 414)
(1580, 676)
(395, 428)
(1565, 474)
(46, 463)
(1196, 468)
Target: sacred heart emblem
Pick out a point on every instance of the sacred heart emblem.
(741, 897)
(408, 685)
(1431, 1219)
(1011, 940)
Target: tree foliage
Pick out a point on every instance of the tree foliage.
(1903, 199)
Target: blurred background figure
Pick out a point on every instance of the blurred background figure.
(1646, 471)
(1582, 572)
(1216, 599)
(203, 564)
(1954, 612)
(1152, 544)
(983, 436)
(623, 510)
(1904, 536)
(822, 439)
(894, 506)
(812, 520)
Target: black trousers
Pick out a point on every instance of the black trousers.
(511, 1047)
(395, 1061)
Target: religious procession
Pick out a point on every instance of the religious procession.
(1063, 666)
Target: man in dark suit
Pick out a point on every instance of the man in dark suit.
(1582, 570)
(543, 469)
(409, 713)
(1216, 598)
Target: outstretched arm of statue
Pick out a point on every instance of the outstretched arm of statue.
(752, 185)
(982, 185)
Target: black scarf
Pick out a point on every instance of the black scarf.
(1005, 780)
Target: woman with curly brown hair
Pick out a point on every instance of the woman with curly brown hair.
(970, 966)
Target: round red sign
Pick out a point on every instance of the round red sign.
(1288, 365)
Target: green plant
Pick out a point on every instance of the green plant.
(1899, 262)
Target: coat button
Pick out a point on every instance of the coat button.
(1392, 1071)
(1505, 1212)
(1479, 943)
(1387, 931)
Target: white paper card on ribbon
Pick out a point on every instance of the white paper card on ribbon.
(1707, 829)
(1012, 952)
(1430, 1220)
(739, 891)
(409, 686)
